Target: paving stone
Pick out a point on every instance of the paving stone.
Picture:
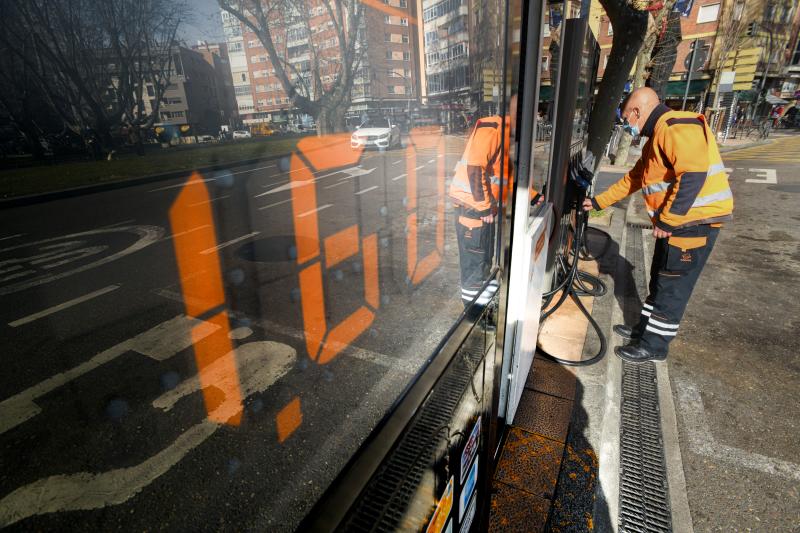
(530, 462)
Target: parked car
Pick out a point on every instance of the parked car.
(376, 132)
(202, 139)
(242, 134)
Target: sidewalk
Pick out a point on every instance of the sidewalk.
(568, 464)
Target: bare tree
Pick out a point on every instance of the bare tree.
(656, 28)
(629, 20)
(141, 40)
(326, 101)
(92, 60)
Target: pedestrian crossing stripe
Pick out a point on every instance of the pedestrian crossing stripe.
(781, 150)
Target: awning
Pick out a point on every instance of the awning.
(772, 99)
(676, 89)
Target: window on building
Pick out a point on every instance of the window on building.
(796, 55)
(403, 3)
(431, 37)
(404, 38)
(406, 56)
(235, 47)
(404, 22)
(545, 62)
(390, 89)
(244, 76)
(387, 37)
(253, 44)
(708, 13)
(387, 19)
(389, 54)
(242, 90)
(150, 91)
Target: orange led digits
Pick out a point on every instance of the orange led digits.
(421, 139)
(201, 282)
(324, 343)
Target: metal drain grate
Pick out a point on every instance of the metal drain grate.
(387, 496)
(644, 492)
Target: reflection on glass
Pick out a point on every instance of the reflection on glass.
(225, 333)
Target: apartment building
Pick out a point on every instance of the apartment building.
(216, 55)
(191, 102)
(386, 82)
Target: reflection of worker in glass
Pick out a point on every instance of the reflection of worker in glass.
(475, 191)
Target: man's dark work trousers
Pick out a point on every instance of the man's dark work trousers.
(677, 263)
(475, 252)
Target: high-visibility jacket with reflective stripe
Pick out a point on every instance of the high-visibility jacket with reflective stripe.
(476, 183)
(680, 173)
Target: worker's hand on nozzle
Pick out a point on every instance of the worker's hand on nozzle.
(659, 233)
(587, 204)
(490, 217)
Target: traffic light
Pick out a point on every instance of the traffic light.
(752, 28)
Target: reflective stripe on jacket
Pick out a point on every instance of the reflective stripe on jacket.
(476, 183)
(680, 173)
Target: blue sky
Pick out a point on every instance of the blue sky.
(204, 22)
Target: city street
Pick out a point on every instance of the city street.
(102, 412)
(735, 367)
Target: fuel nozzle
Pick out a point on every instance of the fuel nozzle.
(581, 170)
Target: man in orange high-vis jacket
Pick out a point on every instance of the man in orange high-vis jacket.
(686, 192)
(475, 192)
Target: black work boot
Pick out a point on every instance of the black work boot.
(637, 354)
(626, 332)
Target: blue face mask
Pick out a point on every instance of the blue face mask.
(629, 128)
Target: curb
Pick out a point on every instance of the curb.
(30, 199)
(725, 149)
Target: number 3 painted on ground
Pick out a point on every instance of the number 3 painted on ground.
(317, 154)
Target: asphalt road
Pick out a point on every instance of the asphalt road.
(103, 424)
(735, 365)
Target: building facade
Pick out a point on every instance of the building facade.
(386, 80)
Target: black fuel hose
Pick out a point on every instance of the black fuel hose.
(572, 283)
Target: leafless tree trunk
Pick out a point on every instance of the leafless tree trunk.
(630, 25)
(657, 27)
(93, 59)
(268, 18)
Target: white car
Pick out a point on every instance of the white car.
(376, 132)
(202, 139)
(242, 134)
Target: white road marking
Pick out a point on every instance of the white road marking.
(182, 184)
(768, 176)
(702, 442)
(210, 201)
(285, 187)
(230, 242)
(147, 236)
(397, 162)
(10, 268)
(336, 184)
(419, 167)
(276, 204)
(68, 256)
(181, 233)
(60, 307)
(401, 176)
(260, 365)
(439, 156)
(17, 275)
(431, 160)
(11, 236)
(362, 191)
(179, 332)
(115, 224)
(252, 170)
(86, 490)
(320, 208)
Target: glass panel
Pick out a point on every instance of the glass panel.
(265, 237)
